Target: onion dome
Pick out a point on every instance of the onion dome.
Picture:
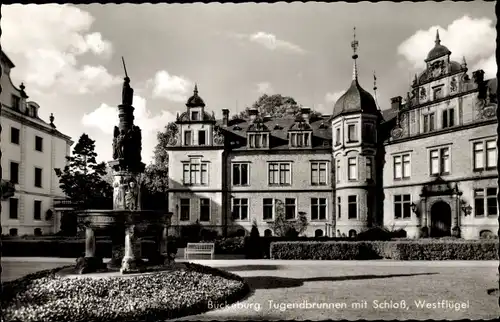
(195, 100)
(438, 50)
(355, 99)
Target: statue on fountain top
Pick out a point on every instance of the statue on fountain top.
(127, 91)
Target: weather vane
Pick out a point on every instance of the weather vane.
(354, 45)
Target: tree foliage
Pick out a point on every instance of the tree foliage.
(283, 227)
(160, 152)
(82, 181)
(155, 181)
(276, 106)
(82, 177)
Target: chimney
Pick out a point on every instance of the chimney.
(396, 102)
(253, 113)
(306, 113)
(225, 116)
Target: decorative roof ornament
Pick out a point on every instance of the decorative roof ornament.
(51, 118)
(195, 92)
(437, 41)
(354, 45)
(464, 63)
(23, 93)
(375, 89)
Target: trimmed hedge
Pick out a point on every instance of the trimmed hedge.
(397, 250)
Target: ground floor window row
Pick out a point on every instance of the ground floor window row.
(14, 209)
(14, 232)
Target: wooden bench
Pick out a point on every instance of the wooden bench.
(199, 248)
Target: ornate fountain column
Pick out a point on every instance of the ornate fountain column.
(89, 242)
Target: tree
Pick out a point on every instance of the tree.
(160, 152)
(108, 177)
(275, 106)
(283, 227)
(155, 180)
(82, 180)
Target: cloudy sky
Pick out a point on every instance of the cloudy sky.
(69, 57)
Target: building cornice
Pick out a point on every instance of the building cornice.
(7, 112)
(423, 183)
(443, 131)
(440, 100)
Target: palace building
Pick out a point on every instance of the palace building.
(31, 149)
(426, 165)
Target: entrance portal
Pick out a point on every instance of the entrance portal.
(440, 219)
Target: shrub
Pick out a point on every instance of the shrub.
(375, 233)
(253, 247)
(232, 246)
(397, 250)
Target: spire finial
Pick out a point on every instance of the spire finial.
(464, 63)
(354, 45)
(438, 41)
(195, 89)
(375, 89)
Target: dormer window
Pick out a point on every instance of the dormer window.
(16, 102)
(437, 92)
(368, 133)
(187, 137)
(195, 115)
(202, 137)
(300, 139)
(258, 140)
(33, 111)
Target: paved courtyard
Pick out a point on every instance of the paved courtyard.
(319, 290)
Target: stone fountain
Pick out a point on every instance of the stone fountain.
(128, 221)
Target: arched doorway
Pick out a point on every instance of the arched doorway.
(440, 219)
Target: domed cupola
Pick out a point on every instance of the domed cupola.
(355, 99)
(438, 50)
(195, 100)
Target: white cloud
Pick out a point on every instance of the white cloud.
(171, 87)
(268, 41)
(50, 38)
(333, 97)
(473, 38)
(105, 117)
(265, 88)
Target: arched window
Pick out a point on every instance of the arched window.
(318, 233)
(268, 233)
(352, 233)
(486, 234)
(38, 232)
(13, 232)
(338, 233)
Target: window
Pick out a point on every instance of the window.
(16, 102)
(351, 133)
(337, 175)
(194, 115)
(485, 206)
(337, 136)
(38, 177)
(429, 122)
(240, 209)
(438, 93)
(352, 233)
(318, 173)
(448, 118)
(13, 208)
(440, 161)
(351, 164)
(195, 174)
(185, 209)
(290, 208)
(339, 207)
(300, 139)
(187, 137)
(402, 166)
(402, 206)
(480, 152)
(37, 210)
(14, 172)
(204, 209)
(369, 168)
(13, 231)
(14, 135)
(368, 133)
(268, 209)
(318, 208)
(352, 207)
(318, 233)
(279, 173)
(201, 137)
(240, 174)
(38, 143)
(268, 233)
(257, 140)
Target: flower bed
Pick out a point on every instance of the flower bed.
(397, 250)
(44, 296)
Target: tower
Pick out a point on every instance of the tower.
(355, 120)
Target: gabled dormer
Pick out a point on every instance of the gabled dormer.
(300, 133)
(258, 133)
(196, 125)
